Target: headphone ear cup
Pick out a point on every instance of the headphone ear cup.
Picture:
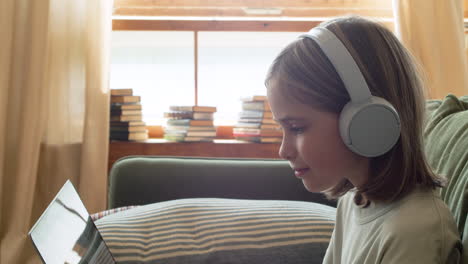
(371, 128)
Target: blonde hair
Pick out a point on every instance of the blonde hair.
(305, 74)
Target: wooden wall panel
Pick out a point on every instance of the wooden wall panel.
(221, 148)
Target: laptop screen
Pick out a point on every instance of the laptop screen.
(65, 232)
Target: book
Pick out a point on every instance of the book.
(255, 114)
(254, 98)
(258, 125)
(125, 99)
(123, 118)
(125, 91)
(129, 135)
(118, 106)
(189, 115)
(260, 139)
(256, 105)
(128, 129)
(257, 120)
(240, 132)
(189, 128)
(189, 122)
(196, 108)
(127, 123)
(125, 112)
(192, 133)
(262, 134)
(271, 139)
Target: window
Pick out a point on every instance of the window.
(159, 66)
(234, 64)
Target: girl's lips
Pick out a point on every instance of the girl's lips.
(300, 172)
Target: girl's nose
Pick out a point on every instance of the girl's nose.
(287, 150)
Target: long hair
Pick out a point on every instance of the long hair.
(391, 72)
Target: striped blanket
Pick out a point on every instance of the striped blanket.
(210, 230)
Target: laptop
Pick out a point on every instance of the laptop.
(65, 232)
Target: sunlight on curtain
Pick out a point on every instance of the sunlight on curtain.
(433, 31)
(54, 64)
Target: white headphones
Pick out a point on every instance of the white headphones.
(369, 125)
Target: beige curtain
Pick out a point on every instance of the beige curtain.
(433, 31)
(54, 64)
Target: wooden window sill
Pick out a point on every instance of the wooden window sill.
(221, 148)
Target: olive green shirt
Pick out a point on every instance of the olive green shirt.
(416, 229)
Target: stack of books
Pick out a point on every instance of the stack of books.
(190, 124)
(126, 116)
(256, 123)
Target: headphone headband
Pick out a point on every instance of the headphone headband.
(343, 62)
(369, 125)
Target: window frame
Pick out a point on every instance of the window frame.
(197, 24)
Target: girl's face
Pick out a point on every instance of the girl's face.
(313, 146)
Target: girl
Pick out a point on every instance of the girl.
(351, 104)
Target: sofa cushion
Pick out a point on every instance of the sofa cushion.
(99, 215)
(209, 230)
(446, 146)
(140, 180)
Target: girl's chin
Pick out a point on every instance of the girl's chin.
(314, 188)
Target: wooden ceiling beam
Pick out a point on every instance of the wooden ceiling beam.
(284, 15)
(254, 3)
(296, 8)
(219, 25)
(244, 12)
(207, 25)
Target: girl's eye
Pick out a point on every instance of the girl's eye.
(297, 130)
